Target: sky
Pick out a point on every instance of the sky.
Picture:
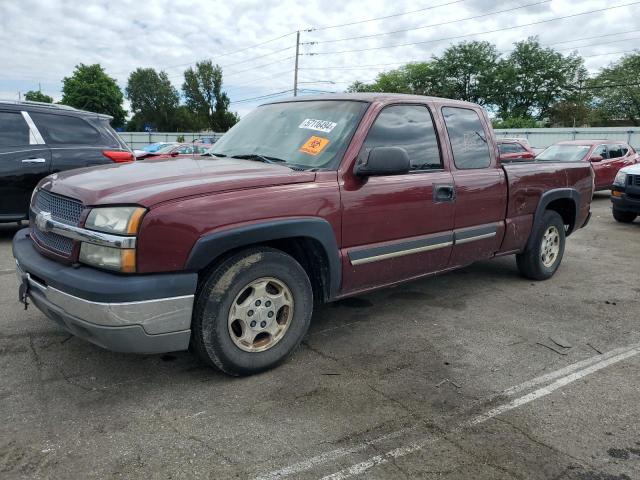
(254, 40)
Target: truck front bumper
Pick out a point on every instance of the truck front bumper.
(123, 313)
(626, 203)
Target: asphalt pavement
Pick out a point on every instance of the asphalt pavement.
(476, 374)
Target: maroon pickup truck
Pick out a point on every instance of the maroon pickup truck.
(305, 200)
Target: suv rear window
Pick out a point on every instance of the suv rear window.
(14, 131)
(64, 129)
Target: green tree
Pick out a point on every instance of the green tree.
(37, 96)
(534, 78)
(466, 71)
(90, 88)
(616, 90)
(153, 99)
(202, 89)
(419, 78)
(514, 122)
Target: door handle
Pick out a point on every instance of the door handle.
(34, 160)
(444, 193)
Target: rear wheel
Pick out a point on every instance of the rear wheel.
(541, 260)
(624, 217)
(252, 311)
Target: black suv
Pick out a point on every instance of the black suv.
(37, 139)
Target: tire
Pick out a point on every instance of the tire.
(537, 263)
(624, 217)
(265, 277)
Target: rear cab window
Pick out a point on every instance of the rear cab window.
(468, 138)
(409, 127)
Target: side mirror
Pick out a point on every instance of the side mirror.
(384, 161)
(596, 158)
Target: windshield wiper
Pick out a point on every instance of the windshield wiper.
(211, 154)
(260, 158)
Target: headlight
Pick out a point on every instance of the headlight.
(621, 179)
(112, 220)
(118, 220)
(118, 259)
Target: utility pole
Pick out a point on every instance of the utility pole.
(295, 71)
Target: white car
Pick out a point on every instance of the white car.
(625, 194)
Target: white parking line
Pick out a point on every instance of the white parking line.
(562, 376)
(362, 467)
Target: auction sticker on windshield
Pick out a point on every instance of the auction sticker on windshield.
(314, 145)
(319, 125)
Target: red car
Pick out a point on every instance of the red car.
(606, 156)
(511, 149)
(174, 150)
(305, 200)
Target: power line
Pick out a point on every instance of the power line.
(258, 66)
(358, 22)
(235, 51)
(475, 33)
(262, 97)
(449, 22)
(267, 77)
(591, 38)
(609, 53)
(596, 44)
(257, 57)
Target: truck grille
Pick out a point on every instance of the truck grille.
(53, 241)
(63, 209)
(634, 180)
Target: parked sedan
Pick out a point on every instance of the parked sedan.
(515, 149)
(606, 156)
(154, 147)
(173, 150)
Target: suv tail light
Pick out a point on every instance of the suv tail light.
(118, 156)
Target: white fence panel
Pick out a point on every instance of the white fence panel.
(543, 137)
(538, 137)
(137, 140)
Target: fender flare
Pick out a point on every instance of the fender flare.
(213, 245)
(546, 199)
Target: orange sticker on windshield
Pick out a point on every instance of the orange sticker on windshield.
(314, 145)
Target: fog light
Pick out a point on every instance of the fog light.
(118, 259)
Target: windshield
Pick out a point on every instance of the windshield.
(303, 134)
(564, 153)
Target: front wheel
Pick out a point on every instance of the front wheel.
(541, 260)
(252, 311)
(624, 217)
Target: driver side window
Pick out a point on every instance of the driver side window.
(600, 150)
(409, 127)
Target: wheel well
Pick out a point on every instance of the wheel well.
(566, 208)
(308, 252)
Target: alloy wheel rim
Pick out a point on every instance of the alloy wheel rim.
(550, 247)
(260, 314)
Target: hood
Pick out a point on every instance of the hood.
(631, 169)
(150, 182)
